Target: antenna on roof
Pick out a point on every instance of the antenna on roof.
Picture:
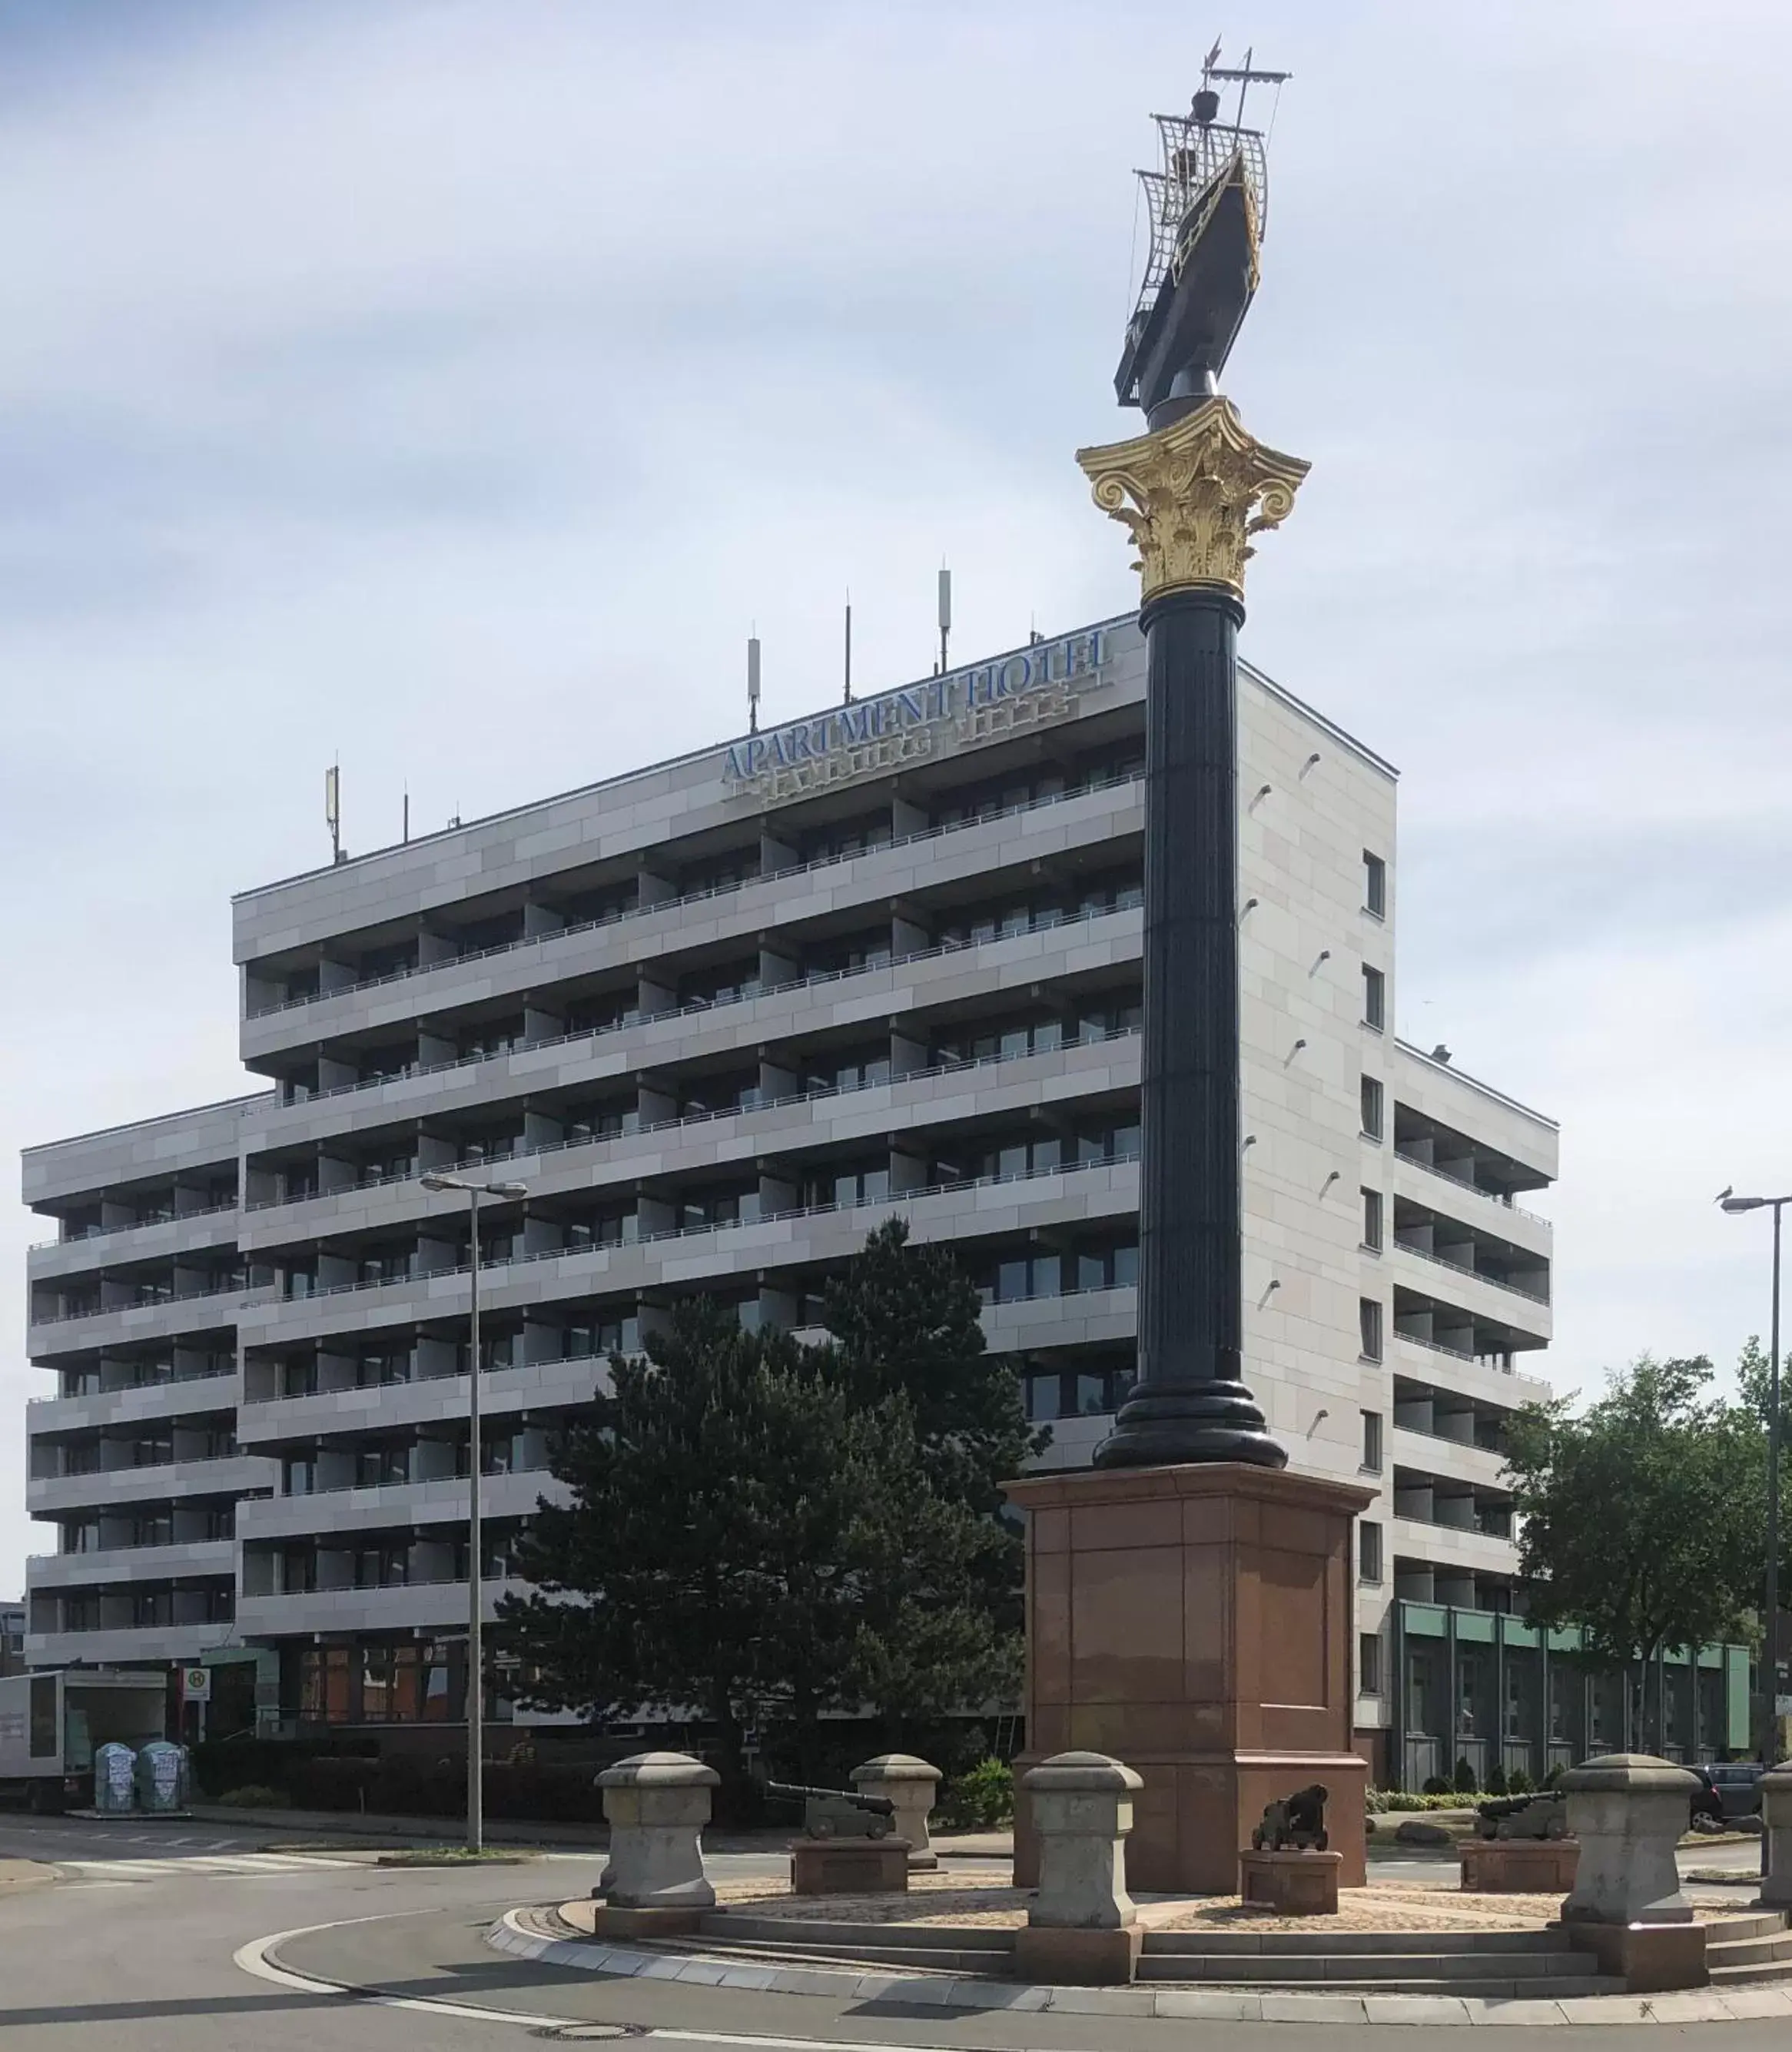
(753, 684)
(945, 614)
(849, 645)
(407, 812)
(333, 808)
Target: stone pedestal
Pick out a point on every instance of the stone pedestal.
(1519, 1866)
(657, 1804)
(1196, 1622)
(1292, 1884)
(1629, 1811)
(849, 1866)
(1776, 1845)
(1081, 1925)
(911, 1785)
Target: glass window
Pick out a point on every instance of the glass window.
(1368, 1550)
(1368, 1663)
(1374, 885)
(1371, 1442)
(1374, 998)
(1372, 1219)
(1372, 1107)
(1369, 1315)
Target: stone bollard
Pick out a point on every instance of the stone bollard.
(1081, 1925)
(657, 1804)
(1776, 1844)
(1628, 1810)
(911, 1785)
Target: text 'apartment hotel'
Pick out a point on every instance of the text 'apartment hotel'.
(721, 1017)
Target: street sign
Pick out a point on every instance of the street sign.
(195, 1684)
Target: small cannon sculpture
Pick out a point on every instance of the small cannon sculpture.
(1522, 1817)
(1295, 1824)
(837, 1813)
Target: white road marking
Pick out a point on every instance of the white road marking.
(208, 1866)
(253, 1958)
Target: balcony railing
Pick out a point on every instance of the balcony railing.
(696, 897)
(883, 1204)
(1462, 1183)
(131, 1388)
(1480, 1275)
(695, 1006)
(236, 1289)
(86, 1233)
(529, 1150)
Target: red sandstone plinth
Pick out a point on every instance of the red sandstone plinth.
(1291, 1884)
(1519, 1867)
(1196, 1623)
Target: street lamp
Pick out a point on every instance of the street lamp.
(476, 1580)
(1729, 1202)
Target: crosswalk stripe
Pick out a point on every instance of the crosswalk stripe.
(208, 1867)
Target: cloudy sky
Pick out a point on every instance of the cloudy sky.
(449, 387)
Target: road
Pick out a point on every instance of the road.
(136, 1948)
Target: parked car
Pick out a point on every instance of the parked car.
(1736, 1783)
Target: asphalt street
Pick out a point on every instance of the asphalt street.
(137, 1947)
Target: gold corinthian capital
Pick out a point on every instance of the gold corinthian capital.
(1192, 495)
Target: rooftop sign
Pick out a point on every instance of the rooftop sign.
(873, 736)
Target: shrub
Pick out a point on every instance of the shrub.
(1497, 1782)
(1434, 1784)
(1520, 1782)
(980, 1798)
(252, 1795)
(1465, 1778)
(1552, 1780)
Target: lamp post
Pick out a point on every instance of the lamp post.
(476, 1580)
(1771, 1694)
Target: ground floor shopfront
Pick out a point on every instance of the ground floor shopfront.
(1494, 1690)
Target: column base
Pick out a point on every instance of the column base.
(1195, 1622)
(1059, 1956)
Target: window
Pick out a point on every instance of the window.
(1371, 1440)
(1371, 1108)
(1374, 998)
(1368, 1550)
(1368, 1663)
(1372, 1219)
(1374, 885)
(1368, 1310)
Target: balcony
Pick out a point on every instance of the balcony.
(105, 1328)
(339, 1515)
(127, 1645)
(176, 1559)
(439, 1606)
(986, 1207)
(908, 982)
(759, 900)
(177, 1397)
(436, 1399)
(206, 1230)
(802, 1121)
(109, 1489)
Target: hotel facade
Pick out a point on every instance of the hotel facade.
(720, 1017)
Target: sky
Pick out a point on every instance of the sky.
(449, 388)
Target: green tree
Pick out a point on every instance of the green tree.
(746, 1541)
(906, 1317)
(1636, 1515)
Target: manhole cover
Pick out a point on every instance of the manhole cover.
(587, 2033)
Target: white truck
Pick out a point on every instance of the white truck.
(51, 1723)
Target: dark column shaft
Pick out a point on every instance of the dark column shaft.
(1190, 1402)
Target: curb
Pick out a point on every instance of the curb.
(511, 1934)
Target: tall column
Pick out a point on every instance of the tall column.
(1193, 494)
